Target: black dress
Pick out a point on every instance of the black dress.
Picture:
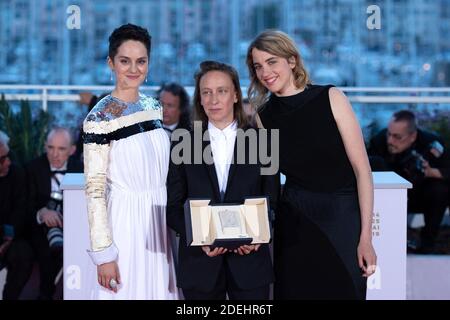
(317, 226)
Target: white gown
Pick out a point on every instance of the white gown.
(134, 232)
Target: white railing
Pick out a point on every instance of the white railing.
(409, 94)
(411, 98)
(45, 96)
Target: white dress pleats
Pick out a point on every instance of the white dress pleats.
(136, 204)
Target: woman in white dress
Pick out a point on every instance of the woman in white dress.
(126, 156)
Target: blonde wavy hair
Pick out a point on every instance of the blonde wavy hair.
(281, 45)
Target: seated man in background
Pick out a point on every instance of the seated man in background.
(421, 158)
(45, 175)
(15, 252)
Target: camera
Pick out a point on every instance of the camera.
(55, 234)
(412, 164)
(55, 202)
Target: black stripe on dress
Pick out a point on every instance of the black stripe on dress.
(122, 133)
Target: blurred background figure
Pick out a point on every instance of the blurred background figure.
(250, 112)
(90, 100)
(45, 175)
(421, 158)
(176, 109)
(15, 252)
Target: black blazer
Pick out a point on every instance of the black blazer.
(13, 201)
(39, 182)
(197, 271)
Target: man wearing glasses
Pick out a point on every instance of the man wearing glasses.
(15, 252)
(421, 158)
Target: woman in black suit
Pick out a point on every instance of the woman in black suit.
(203, 272)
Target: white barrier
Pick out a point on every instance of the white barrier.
(428, 277)
(78, 268)
(389, 238)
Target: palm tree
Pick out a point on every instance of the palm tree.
(27, 133)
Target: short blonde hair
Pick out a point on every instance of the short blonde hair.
(281, 45)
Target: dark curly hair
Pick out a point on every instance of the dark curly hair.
(128, 32)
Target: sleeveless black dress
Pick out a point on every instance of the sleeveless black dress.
(317, 226)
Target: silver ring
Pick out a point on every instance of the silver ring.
(113, 283)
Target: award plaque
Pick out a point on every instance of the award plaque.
(229, 221)
(227, 225)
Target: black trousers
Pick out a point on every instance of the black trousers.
(430, 197)
(227, 285)
(19, 261)
(50, 262)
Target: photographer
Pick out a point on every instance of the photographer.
(15, 252)
(421, 158)
(45, 174)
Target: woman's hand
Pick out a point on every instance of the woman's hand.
(246, 249)
(367, 258)
(106, 272)
(213, 253)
